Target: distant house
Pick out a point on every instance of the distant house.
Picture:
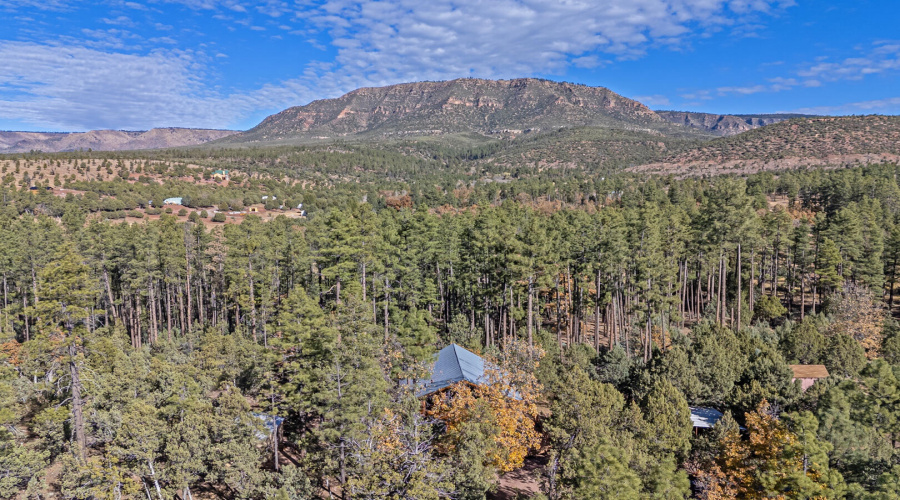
(220, 174)
(454, 364)
(808, 374)
(172, 201)
(704, 418)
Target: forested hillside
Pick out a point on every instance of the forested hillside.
(468, 105)
(837, 141)
(149, 350)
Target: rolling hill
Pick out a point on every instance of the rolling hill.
(796, 143)
(106, 140)
(724, 125)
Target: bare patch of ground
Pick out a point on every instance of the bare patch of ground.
(523, 482)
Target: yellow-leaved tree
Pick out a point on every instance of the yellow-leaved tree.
(779, 458)
(504, 407)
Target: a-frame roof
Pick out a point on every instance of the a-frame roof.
(454, 364)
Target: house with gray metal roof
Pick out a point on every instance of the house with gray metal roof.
(704, 418)
(453, 364)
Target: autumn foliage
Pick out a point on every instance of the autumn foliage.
(507, 401)
(769, 463)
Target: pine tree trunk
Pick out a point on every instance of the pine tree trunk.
(530, 311)
(109, 294)
(814, 297)
(181, 313)
(718, 288)
(802, 297)
(558, 315)
(187, 288)
(168, 313)
(77, 402)
(137, 320)
(752, 275)
(387, 299)
(739, 290)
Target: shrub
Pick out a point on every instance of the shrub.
(219, 217)
(768, 308)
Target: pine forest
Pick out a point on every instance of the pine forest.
(266, 334)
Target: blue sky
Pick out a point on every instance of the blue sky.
(73, 66)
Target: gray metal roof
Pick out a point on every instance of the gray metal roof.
(454, 364)
(704, 418)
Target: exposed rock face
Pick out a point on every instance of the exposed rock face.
(723, 124)
(107, 140)
(466, 105)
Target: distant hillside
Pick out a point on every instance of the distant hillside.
(590, 148)
(796, 143)
(724, 125)
(495, 108)
(106, 140)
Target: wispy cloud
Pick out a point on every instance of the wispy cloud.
(879, 106)
(121, 85)
(881, 57)
(124, 91)
(110, 90)
(52, 5)
(401, 39)
(747, 90)
(118, 21)
(653, 100)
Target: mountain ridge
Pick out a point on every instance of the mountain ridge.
(107, 140)
(497, 108)
(726, 125)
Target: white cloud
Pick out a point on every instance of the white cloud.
(118, 21)
(53, 5)
(78, 88)
(886, 106)
(881, 58)
(377, 41)
(85, 88)
(699, 95)
(396, 40)
(653, 100)
(754, 89)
